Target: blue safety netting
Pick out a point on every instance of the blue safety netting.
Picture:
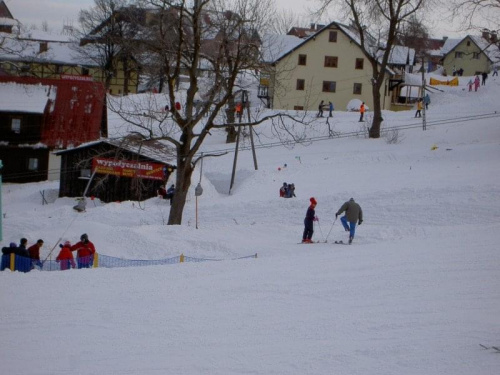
(23, 264)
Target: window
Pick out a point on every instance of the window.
(459, 55)
(357, 89)
(33, 164)
(85, 173)
(298, 107)
(59, 69)
(475, 55)
(359, 63)
(85, 72)
(332, 38)
(16, 125)
(331, 61)
(302, 59)
(468, 43)
(301, 83)
(44, 46)
(329, 86)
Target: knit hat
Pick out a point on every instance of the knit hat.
(67, 243)
(12, 244)
(84, 237)
(313, 201)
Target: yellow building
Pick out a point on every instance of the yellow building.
(472, 54)
(327, 66)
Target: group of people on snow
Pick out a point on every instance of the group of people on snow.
(29, 258)
(322, 106)
(287, 190)
(353, 216)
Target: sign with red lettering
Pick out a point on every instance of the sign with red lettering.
(74, 77)
(128, 168)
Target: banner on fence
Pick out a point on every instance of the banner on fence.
(128, 168)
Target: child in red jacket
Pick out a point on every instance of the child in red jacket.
(65, 257)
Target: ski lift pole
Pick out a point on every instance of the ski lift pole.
(424, 120)
(1, 212)
(235, 157)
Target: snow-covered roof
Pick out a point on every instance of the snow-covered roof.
(64, 53)
(155, 150)
(4, 21)
(44, 36)
(275, 46)
(401, 54)
(491, 51)
(15, 97)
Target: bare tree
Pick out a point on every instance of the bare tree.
(209, 44)
(284, 20)
(477, 14)
(377, 23)
(104, 27)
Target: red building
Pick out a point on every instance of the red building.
(38, 116)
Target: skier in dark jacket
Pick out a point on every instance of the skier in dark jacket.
(353, 214)
(308, 222)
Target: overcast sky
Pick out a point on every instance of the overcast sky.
(60, 12)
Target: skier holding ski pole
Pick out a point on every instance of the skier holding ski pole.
(353, 214)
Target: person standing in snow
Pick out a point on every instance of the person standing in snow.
(476, 83)
(85, 251)
(353, 215)
(484, 75)
(309, 222)
(495, 71)
(330, 107)
(427, 101)
(34, 252)
(65, 257)
(320, 109)
(419, 108)
(362, 111)
(471, 83)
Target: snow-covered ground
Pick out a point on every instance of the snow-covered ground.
(416, 293)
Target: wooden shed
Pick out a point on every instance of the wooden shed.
(115, 170)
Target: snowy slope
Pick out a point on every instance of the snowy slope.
(416, 293)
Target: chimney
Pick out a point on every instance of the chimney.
(493, 37)
(313, 26)
(445, 38)
(486, 34)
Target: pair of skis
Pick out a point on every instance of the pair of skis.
(313, 242)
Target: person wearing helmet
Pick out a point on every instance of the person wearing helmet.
(85, 251)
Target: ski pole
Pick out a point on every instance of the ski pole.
(330, 231)
(319, 225)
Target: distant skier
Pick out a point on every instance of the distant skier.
(361, 111)
(330, 108)
(476, 83)
(284, 190)
(495, 71)
(320, 109)
(309, 222)
(427, 101)
(65, 257)
(353, 214)
(85, 251)
(419, 108)
(485, 76)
